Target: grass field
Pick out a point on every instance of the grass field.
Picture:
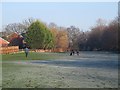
(32, 56)
(59, 70)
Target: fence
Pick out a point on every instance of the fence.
(10, 49)
(49, 50)
(39, 50)
(58, 50)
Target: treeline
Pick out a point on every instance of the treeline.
(102, 37)
(37, 34)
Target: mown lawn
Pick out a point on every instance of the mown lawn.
(32, 56)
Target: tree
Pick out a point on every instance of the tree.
(28, 22)
(49, 43)
(38, 36)
(73, 34)
(62, 39)
(60, 36)
(82, 40)
(95, 36)
(15, 27)
(52, 25)
(104, 37)
(110, 36)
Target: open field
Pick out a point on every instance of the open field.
(59, 70)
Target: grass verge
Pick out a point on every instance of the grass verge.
(31, 56)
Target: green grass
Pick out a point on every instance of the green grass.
(31, 56)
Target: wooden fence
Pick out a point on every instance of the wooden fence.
(39, 50)
(14, 49)
(10, 49)
(49, 50)
(58, 50)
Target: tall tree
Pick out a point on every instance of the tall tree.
(73, 34)
(60, 37)
(104, 37)
(38, 35)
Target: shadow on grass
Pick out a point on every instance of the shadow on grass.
(78, 63)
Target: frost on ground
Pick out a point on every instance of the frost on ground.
(89, 70)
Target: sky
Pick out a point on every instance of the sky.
(80, 14)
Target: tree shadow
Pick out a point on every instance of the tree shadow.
(77, 63)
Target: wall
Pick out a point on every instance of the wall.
(10, 49)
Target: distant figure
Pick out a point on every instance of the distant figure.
(77, 52)
(26, 51)
(72, 52)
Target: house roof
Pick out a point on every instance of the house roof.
(14, 35)
(3, 41)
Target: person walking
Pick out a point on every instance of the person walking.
(26, 51)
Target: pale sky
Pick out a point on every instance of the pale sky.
(79, 14)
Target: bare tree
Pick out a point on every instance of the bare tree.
(52, 25)
(15, 27)
(73, 34)
(28, 22)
